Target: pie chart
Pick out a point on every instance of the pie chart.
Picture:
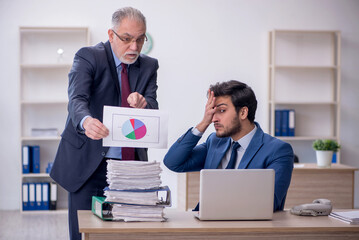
(134, 129)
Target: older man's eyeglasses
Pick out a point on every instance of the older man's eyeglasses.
(130, 39)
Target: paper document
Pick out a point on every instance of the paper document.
(133, 127)
(351, 217)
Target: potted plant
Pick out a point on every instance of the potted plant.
(324, 151)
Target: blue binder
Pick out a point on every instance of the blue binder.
(45, 196)
(334, 159)
(25, 197)
(26, 161)
(285, 122)
(35, 157)
(291, 122)
(278, 123)
(32, 196)
(38, 196)
(53, 195)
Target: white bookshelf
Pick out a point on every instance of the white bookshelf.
(46, 56)
(304, 75)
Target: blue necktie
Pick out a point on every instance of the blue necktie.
(231, 164)
(233, 159)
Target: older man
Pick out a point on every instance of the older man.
(112, 73)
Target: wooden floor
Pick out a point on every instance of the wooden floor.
(33, 226)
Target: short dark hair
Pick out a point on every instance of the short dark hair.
(241, 95)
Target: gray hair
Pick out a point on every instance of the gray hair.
(127, 12)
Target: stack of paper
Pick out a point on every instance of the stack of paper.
(133, 174)
(130, 213)
(133, 191)
(351, 217)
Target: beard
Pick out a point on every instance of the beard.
(123, 60)
(232, 130)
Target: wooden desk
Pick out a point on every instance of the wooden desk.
(183, 225)
(308, 183)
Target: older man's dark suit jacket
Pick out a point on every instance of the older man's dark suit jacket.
(93, 83)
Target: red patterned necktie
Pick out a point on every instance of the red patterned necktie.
(127, 153)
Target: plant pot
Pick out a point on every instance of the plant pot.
(324, 158)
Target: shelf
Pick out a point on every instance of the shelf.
(45, 59)
(305, 31)
(35, 175)
(51, 102)
(36, 29)
(304, 76)
(45, 138)
(302, 103)
(50, 47)
(302, 67)
(305, 138)
(45, 66)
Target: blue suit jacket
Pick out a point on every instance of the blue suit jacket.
(264, 151)
(93, 83)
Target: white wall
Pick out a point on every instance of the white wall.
(197, 42)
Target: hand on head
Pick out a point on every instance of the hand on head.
(210, 109)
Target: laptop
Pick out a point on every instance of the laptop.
(236, 194)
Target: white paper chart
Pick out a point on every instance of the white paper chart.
(131, 127)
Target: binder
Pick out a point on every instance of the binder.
(334, 158)
(32, 202)
(291, 123)
(278, 123)
(35, 157)
(126, 212)
(101, 208)
(26, 159)
(160, 196)
(53, 195)
(25, 197)
(38, 196)
(45, 204)
(285, 123)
